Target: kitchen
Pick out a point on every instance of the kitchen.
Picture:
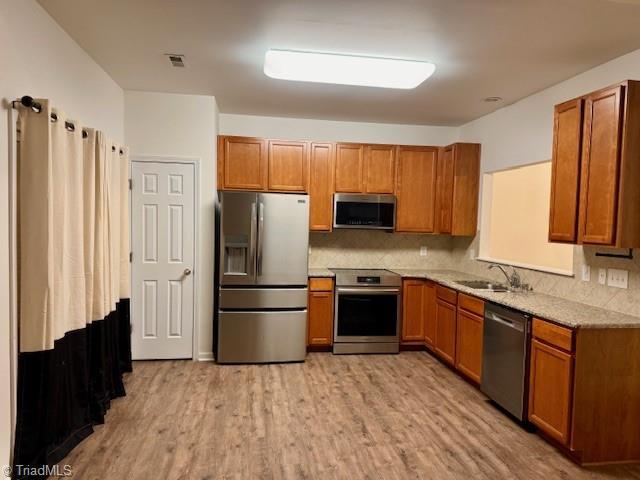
(342, 281)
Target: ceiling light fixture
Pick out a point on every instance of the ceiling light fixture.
(346, 69)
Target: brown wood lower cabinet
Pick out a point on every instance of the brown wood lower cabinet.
(320, 312)
(430, 314)
(445, 344)
(469, 343)
(551, 378)
(413, 299)
(584, 390)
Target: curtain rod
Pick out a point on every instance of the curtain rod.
(29, 102)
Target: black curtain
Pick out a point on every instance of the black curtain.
(64, 391)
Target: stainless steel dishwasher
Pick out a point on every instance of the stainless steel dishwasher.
(505, 358)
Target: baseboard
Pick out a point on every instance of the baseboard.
(205, 357)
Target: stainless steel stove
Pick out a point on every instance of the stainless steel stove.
(367, 311)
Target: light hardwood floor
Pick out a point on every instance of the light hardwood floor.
(343, 417)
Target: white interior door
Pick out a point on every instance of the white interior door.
(163, 247)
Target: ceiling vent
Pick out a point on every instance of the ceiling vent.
(177, 60)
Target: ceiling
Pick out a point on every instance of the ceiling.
(482, 48)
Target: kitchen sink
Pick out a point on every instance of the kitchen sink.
(483, 285)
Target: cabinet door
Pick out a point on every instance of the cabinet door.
(444, 189)
(429, 314)
(349, 166)
(550, 390)
(242, 163)
(321, 187)
(600, 166)
(412, 310)
(320, 311)
(469, 344)
(379, 168)
(288, 166)
(466, 189)
(416, 189)
(565, 171)
(446, 331)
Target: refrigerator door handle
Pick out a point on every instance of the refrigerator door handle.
(252, 240)
(260, 235)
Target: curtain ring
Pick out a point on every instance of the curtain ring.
(54, 117)
(70, 126)
(121, 152)
(113, 148)
(84, 134)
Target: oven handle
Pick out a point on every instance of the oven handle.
(369, 291)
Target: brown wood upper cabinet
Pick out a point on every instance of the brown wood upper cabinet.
(594, 193)
(288, 165)
(379, 168)
(242, 163)
(349, 168)
(565, 171)
(416, 189)
(365, 168)
(247, 163)
(458, 180)
(321, 172)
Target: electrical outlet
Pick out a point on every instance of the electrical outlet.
(602, 276)
(586, 273)
(423, 251)
(618, 278)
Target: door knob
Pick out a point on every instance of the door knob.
(187, 272)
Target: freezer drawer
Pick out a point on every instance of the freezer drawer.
(262, 337)
(262, 298)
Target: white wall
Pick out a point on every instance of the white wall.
(183, 126)
(333, 131)
(522, 133)
(38, 58)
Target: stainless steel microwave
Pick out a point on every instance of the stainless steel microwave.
(364, 211)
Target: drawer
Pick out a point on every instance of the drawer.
(552, 334)
(447, 294)
(319, 284)
(471, 304)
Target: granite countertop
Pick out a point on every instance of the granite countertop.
(556, 309)
(321, 272)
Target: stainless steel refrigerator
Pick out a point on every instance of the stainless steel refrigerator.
(262, 272)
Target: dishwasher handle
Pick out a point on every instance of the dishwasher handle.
(506, 321)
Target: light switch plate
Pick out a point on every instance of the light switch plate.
(586, 273)
(602, 276)
(618, 278)
(423, 251)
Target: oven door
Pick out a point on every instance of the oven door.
(367, 314)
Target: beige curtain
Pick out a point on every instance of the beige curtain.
(74, 226)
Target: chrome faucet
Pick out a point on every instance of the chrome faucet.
(514, 280)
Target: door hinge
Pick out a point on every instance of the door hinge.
(131, 184)
(130, 257)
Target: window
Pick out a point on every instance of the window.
(515, 220)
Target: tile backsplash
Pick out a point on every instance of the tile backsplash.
(375, 249)
(572, 288)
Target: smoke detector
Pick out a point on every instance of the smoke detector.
(176, 59)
